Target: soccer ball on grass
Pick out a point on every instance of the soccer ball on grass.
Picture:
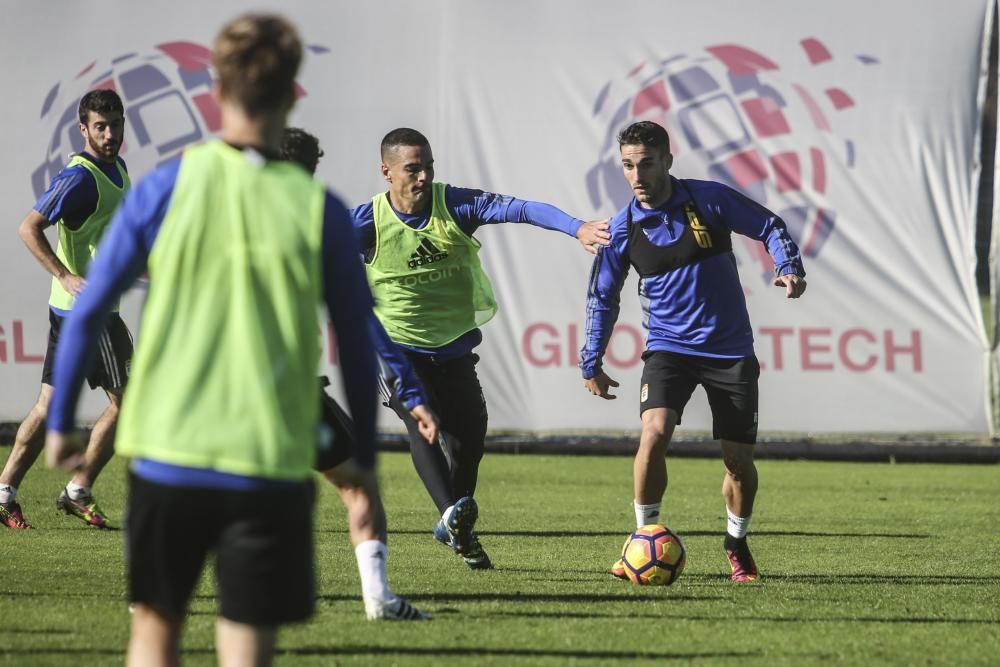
(653, 556)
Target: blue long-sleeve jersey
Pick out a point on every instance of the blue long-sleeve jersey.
(123, 256)
(698, 308)
(470, 209)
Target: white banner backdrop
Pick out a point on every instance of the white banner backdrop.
(836, 115)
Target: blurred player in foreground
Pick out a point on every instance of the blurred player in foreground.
(358, 488)
(676, 233)
(221, 417)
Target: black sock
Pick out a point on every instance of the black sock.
(734, 543)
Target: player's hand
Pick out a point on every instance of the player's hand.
(427, 423)
(64, 450)
(72, 283)
(794, 285)
(600, 385)
(592, 234)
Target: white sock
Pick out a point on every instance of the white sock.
(77, 492)
(737, 526)
(8, 494)
(646, 514)
(372, 556)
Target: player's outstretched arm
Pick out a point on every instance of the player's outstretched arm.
(593, 234)
(472, 208)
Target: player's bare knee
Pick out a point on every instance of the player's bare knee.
(653, 443)
(656, 432)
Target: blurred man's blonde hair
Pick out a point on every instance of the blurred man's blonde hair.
(256, 58)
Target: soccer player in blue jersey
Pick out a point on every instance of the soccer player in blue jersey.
(676, 233)
(358, 488)
(221, 418)
(432, 296)
(79, 202)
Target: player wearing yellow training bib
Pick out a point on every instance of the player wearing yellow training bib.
(79, 203)
(222, 415)
(432, 296)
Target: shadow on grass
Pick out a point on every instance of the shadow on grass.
(638, 594)
(915, 620)
(763, 619)
(722, 578)
(858, 579)
(456, 651)
(81, 652)
(76, 527)
(208, 612)
(684, 533)
(120, 597)
(475, 651)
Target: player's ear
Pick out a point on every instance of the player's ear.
(385, 173)
(668, 161)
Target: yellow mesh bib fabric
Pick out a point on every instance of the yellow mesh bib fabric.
(428, 284)
(77, 248)
(224, 376)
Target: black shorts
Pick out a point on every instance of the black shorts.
(114, 354)
(336, 443)
(669, 379)
(455, 395)
(262, 541)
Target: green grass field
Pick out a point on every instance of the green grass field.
(866, 564)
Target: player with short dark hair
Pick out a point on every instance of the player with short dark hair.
(79, 203)
(676, 233)
(365, 512)
(221, 417)
(103, 102)
(432, 296)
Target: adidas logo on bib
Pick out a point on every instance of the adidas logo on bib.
(426, 253)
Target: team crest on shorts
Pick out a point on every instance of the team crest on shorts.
(644, 393)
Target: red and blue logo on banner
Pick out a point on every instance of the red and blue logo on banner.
(168, 105)
(756, 131)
